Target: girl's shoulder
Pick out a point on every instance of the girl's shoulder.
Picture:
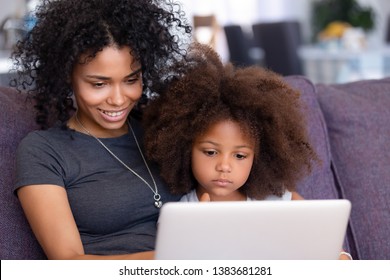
(190, 197)
(286, 196)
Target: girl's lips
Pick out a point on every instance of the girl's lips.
(222, 182)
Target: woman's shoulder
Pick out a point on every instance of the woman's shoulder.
(53, 137)
(51, 133)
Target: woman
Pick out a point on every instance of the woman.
(84, 185)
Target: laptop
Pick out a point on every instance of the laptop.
(252, 230)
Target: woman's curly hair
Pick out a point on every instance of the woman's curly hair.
(259, 100)
(155, 30)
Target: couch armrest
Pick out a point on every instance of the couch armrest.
(16, 120)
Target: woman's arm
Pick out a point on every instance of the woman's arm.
(49, 214)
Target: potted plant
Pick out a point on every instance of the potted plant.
(325, 12)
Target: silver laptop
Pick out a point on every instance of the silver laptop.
(272, 230)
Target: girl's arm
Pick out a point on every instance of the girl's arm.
(49, 214)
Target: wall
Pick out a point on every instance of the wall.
(244, 12)
(11, 8)
(382, 9)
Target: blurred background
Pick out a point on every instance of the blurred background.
(329, 41)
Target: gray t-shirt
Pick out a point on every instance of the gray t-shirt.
(114, 210)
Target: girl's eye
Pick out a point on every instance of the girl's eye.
(210, 153)
(240, 156)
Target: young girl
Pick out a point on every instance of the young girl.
(233, 133)
(221, 133)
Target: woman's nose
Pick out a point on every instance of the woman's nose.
(116, 97)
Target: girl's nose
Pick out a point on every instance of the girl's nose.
(224, 165)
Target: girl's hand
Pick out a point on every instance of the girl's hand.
(205, 197)
(345, 256)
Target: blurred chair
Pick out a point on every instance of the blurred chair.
(387, 39)
(280, 42)
(206, 29)
(240, 45)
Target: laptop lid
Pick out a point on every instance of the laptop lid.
(299, 229)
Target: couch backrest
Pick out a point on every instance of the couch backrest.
(320, 183)
(358, 119)
(16, 120)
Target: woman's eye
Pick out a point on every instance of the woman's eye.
(98, 85)
(133, 79)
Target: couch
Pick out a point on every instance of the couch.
(349, 126)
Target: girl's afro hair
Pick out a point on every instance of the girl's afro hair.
(259, 100)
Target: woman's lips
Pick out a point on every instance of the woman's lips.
(114, 116)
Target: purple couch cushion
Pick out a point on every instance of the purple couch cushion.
(320, 184)
(16, 119)
(358, 119)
